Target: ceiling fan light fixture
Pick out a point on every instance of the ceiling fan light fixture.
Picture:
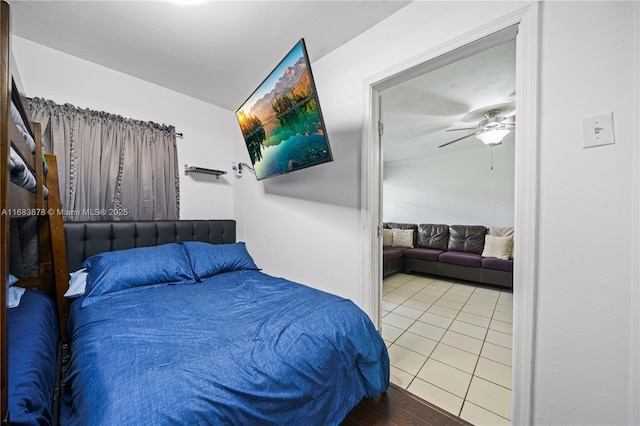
(489, 131)
(492, 136)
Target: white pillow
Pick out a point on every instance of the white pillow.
(11, 280)
(499, 247)
(77, 283)
(14, 295)
(504, 231)
(402, 238)
(501, 231)
(387, 237)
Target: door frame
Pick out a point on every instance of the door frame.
(527, 22)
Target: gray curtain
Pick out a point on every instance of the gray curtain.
(110, 167)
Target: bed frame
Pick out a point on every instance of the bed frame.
(17, 202)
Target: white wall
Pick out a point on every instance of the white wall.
(307, 225)
(588, 211)
(452, 188)
(208, 130)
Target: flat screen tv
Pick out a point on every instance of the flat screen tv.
(281, 121)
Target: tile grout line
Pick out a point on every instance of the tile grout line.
(464, 400)
(407, 330)
(439, 341)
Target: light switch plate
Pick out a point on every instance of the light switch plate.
(597, 130)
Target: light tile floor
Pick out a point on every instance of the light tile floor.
(450, 343)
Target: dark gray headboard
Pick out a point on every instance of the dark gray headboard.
(84, 239)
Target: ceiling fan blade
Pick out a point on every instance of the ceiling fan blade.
(456, 140)
(510, 120)
(461, 128)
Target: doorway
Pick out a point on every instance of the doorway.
(450, 341)
(525, 24)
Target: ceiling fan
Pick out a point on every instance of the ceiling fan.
(490, 130)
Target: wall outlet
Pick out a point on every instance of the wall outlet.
(237, 168)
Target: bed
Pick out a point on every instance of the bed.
(31, 243)
(177, 325)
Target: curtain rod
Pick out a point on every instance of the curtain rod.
(180, 135)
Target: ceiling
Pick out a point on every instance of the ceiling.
(218, 51)
(417, 113)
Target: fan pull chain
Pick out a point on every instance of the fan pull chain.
(491, 149)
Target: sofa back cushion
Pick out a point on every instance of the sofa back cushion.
(467, 238)
(433, 236)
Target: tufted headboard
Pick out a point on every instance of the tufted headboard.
(84, 239)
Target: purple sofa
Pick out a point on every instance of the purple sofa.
(453, 251)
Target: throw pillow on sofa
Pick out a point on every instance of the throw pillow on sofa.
(402, 238)
(387, 237)
(504, 231)
(499, 247)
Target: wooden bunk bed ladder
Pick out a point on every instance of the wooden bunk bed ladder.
(58, 244)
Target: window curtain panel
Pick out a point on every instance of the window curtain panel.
(110, 167)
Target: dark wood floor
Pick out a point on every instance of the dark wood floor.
(399, 407)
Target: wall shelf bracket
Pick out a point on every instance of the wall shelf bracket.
(195, 169)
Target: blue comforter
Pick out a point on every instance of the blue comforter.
(32, 328)
(240, 348)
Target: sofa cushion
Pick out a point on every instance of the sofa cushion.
(467, 238)
(433, 236)
(396, 225)
(391, 253)
(497, 264)
(461, 258)
(423, 254)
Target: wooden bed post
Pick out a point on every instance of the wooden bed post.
(5, 94)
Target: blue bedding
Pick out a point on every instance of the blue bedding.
(22, 128)
(32, 330)
(21, 175)
(240, 348)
